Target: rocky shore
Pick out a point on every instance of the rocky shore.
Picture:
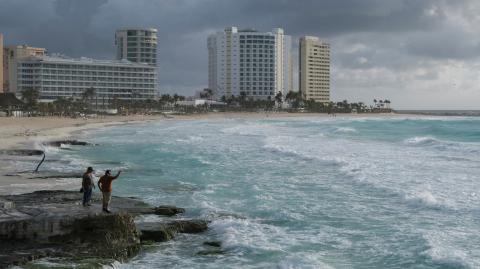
(55, 224)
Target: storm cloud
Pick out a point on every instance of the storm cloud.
(420, 54)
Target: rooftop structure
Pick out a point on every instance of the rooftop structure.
(13, 54)
(137, 45)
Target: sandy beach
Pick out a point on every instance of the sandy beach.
(29, 132)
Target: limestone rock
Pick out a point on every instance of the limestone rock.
(55, 224)
(168, 210)
(22, 152)
(59, 143)
(161, 232)
(213, 243)
(211, 252)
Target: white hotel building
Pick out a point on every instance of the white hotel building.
(56, 77)
(250, 62)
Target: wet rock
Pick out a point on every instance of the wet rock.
(47, 175)
(59, 143)
(168, 210)
(104, 236)
(161, 232)
(211, 252)
(54, 220)
(17, 258)
(22, 152)
(190, 226)
(213, 243)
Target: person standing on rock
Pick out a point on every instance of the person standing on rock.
(105, 185)
(87, 186)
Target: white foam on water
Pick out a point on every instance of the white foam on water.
(246, 234)
(421, 141)
(425, 198)
(465, 149)
(443, 252)
(346, 130)
(192, 139)
(303, 261)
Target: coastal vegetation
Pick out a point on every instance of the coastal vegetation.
(89, 103)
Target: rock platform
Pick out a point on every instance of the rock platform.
(55, 224)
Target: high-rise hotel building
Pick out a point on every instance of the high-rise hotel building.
(257, 64)
(314, 69)
(138, 45)
(1, 64)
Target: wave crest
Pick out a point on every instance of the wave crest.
(345, 130)
(421, 141)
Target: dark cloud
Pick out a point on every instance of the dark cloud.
(382, 43)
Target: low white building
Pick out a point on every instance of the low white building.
(200, 102)
(56, 77)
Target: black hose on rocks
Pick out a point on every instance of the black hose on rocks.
(38, 166)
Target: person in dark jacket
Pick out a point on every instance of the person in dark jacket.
(87, 186)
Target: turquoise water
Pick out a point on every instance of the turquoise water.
(304, 192)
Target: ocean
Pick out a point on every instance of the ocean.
(344, 192)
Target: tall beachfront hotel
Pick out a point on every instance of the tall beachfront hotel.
(1, 64)
(314, 69)
(137, 45)
(257, 64)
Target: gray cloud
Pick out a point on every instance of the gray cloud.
(380, 48)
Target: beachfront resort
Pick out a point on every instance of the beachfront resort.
(247, 70)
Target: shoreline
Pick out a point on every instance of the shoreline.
(18, 131)
(29, 132)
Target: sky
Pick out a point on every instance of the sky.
(420, 54)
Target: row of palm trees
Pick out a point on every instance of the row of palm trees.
(292, 101)
(87, 103)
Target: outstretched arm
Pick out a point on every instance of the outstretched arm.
(118, 174)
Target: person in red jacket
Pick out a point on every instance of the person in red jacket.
(105, 185)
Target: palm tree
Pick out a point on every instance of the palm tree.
(294, 98)
(206, 93)
(30, 97)
(279, 98)
(176, 97)
(88, 95)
